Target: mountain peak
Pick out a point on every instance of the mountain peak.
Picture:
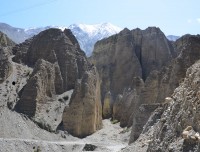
(88, 34)
(93, 29)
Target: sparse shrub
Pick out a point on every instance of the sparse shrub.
(28, 72)
(61, 100)
(38, 149)
(125, 130)
(114, 121)
(66, 98)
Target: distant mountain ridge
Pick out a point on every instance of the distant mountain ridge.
(18, 35)
(172, 37)
(87, 35)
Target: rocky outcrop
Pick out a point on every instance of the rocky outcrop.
(53, 45)
(5, 51)
(83, 115)
(142, 116)
(20, 51)
(5, 66)
(58, 64)
(161, 84)
(117, 108)
(128, 55)
(169, 132)
(165, 129)
(5, 41)
(40, 91)
(141, 51)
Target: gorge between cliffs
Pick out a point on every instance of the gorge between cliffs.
(137, 92)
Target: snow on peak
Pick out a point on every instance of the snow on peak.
(88, 35)
(105, 29)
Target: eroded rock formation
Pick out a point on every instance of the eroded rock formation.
(131, 60)
(181, 113)
(84, 114)
(5, 51)
(58, 64)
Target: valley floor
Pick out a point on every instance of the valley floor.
(111, 138)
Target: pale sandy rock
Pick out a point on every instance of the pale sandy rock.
(107, 106)
(83, 116)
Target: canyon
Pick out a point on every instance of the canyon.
(137, 91)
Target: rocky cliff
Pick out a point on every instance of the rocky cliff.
(175, 127)
(122, 58)
(58, 64)
(161, 84)
(84, 114)
(5, 51)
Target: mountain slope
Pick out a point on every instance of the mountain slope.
(87, 35)
(18, 35)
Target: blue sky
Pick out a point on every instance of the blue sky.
(175, 17)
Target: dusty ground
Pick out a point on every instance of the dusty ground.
(19, 134)
(111, 138)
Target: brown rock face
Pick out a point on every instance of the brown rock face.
(117, 108)
(39, 95)
(40, 91)
(130, 102)
(5, 41)
(161, 84)
(107, 106)
(20, 51)
(5, 66)
(142, 115)
(84, 114)
(5, 51)
(169, 132)
(58, 64)
(53, 45)
(127, 55)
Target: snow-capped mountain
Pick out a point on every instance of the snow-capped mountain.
(16, 34)
(87, 35)
(172, 37)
